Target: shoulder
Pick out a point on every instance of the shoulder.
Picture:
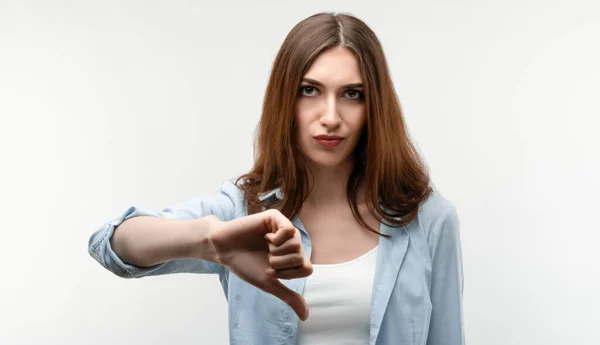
(435, 214)
(231, 190)
(233, 196)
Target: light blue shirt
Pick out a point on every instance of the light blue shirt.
(417, 288)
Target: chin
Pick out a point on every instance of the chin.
(326, 160)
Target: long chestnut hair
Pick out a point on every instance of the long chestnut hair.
(396, 178)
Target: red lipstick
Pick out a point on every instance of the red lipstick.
(328, 141)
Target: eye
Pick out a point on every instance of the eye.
(308, 91)
(354, 94)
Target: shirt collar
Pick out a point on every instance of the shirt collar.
(275, 192)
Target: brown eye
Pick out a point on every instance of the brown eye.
(308, 91)
(354, 94)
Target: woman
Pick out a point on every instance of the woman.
(336, 216)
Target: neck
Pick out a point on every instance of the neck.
(328, 185)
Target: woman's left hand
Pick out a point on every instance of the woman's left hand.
(287, 259)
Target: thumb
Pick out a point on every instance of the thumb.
(290, 297)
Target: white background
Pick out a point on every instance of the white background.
(106, 104)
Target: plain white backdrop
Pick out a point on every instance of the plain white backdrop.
(105, 104)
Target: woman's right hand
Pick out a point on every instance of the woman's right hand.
(261, 248)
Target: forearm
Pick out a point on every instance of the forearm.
(145, 241)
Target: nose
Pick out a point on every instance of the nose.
(330, 116)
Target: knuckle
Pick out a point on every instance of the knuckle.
(271, 213)
(306, 263)
(309, 269)
(275, 212)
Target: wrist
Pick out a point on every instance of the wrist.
(202, 244)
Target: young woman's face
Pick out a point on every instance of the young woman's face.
(330, 111)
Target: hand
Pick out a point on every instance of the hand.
(287, 258)
(261, 248)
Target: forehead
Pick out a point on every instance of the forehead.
(335, 66)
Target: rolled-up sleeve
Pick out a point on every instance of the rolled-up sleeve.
(446, 325)
(226, 205)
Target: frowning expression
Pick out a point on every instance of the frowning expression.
(330, 110)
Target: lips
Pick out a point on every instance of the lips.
(328, 137)
(328, 141)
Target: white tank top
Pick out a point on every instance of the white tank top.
(339, 300)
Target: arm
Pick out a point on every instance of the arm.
(147, 241)
(446, 325)
(141, 243)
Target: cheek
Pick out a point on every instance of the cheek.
(302, 120)
(304, 113)
(356, 119)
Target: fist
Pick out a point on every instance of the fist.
(287, 259)
(259, 249)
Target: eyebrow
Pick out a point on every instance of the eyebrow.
(318, 83)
